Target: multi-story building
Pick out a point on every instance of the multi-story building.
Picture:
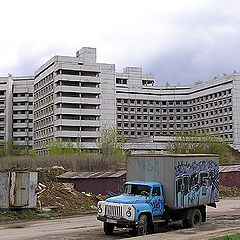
(22, 111)
(73, 98)
(5, 109)
(148, 111)
(76, 97)
(16, 110)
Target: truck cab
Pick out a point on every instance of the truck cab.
(137, 207)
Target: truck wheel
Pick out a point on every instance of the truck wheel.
(108, 228)
(142, 225)
(194, 220)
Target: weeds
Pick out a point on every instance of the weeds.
(84, 162)
(24, 214)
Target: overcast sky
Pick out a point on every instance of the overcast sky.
(179, 41)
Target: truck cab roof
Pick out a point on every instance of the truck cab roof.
(150, 184)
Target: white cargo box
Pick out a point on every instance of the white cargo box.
(187, 179)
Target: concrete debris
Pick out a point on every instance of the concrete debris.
(58, 168)
(39, 169)
(93, 207)
(42, 185)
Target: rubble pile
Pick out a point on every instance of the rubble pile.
(64, 198)
(229, 191)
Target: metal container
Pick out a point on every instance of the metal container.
(18, 189)
(187, 179)
(229, 176)
(95, 182)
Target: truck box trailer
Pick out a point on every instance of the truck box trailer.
(163, 188)
(187, 179)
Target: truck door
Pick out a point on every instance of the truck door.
(157, 201)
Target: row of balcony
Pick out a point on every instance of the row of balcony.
(74, 100)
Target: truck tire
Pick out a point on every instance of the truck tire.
(142, 225)
(108, 228)
(195, 219)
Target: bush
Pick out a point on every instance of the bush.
(204, 143)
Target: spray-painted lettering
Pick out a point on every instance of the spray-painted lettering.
(149, 165)
(196, 183)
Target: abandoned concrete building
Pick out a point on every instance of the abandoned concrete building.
(75, 97)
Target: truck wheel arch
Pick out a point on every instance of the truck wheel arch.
(150, 227)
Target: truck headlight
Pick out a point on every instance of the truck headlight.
(128, 213)
(100, 209)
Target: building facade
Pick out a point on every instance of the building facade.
(159, 113)
(5, 109)
(22, 111)
(16, 110)
(76, 97)
(73, 98)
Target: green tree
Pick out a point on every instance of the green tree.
(56, 147)
(203, 143)
(9, 148)
(111, 142)
(198, 82)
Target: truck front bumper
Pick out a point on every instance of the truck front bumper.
(120, 222)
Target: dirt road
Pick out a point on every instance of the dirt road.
(223, 220)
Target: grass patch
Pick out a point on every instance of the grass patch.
(25, 214)
(230, 237)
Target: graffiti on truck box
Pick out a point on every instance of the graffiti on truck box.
(196, 183)
(149, 166)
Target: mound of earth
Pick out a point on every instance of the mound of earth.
(64, 198)
(229, 191)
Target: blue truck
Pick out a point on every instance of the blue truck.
(163, 188)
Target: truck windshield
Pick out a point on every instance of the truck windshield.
(134, 189)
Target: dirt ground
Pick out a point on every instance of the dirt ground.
(215, 226)
(224, 220)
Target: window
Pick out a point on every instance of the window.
(156, 191)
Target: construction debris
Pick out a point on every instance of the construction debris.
(66, 199)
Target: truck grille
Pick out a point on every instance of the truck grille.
(114, 211)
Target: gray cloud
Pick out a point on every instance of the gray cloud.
(183, 46)
(207, 44)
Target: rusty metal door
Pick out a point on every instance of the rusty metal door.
(19, 192)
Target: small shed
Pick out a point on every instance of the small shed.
(229, 176)
(95, 182)
(18, 189)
